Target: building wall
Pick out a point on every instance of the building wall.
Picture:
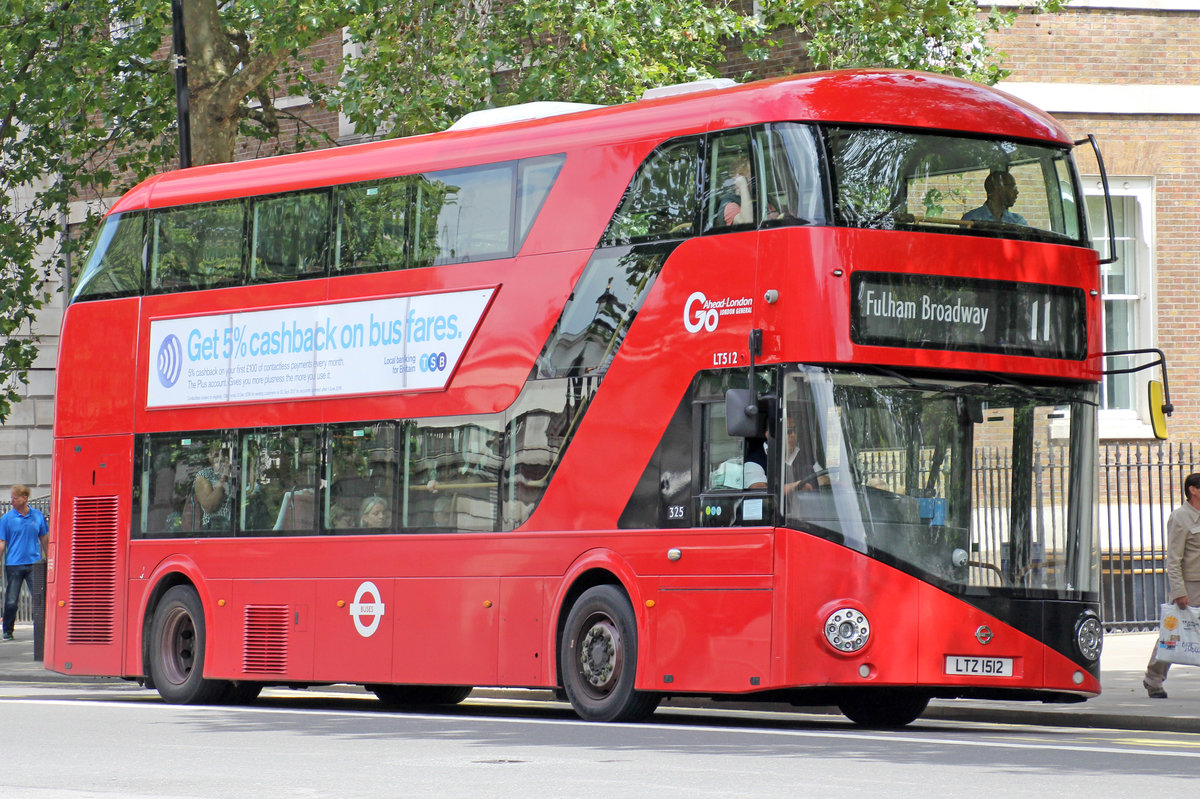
(1129, 73)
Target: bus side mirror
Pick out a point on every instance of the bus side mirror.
(1158, 410)
(744, 414)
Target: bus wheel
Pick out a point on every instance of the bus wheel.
(177, 650)
(599, 658)
(884, 708)
(241, 692)
(420, 695)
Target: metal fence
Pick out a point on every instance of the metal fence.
(1139, 486)
(25, 605)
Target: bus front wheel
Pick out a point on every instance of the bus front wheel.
(177, 640)
(884, 709)
(598, 656)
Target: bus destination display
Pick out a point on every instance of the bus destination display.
(970, 315)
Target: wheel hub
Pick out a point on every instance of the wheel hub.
(598, 654)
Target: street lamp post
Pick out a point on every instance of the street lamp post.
(181, 84)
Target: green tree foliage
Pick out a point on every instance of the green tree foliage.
(946, 36)
(88, 104)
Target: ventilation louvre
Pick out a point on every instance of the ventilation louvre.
(266, 639)
(91, 619)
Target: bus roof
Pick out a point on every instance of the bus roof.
(888, 98)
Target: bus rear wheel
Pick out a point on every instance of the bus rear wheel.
(884, 709)
(420, 695)
(176, 653)
(598, 657)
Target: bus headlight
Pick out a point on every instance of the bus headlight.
(1089, 636)
(847, 630)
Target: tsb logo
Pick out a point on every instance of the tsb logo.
(697, 315)
(170, 361)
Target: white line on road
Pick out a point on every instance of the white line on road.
(877, 735)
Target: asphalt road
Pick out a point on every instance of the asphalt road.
(69, 741)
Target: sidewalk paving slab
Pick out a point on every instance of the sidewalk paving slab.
(1123, 704)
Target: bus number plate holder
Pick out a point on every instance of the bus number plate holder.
(971, 666)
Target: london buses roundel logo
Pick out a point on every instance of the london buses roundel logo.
(170, 361)
(367, 609)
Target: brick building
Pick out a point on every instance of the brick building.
(1128, 72)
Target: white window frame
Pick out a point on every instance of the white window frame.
(1132, 422)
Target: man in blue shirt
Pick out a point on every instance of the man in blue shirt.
(1001, 189)
(23, 534)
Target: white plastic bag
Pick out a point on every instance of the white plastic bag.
(1179, 635)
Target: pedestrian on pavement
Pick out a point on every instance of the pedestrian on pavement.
(1183, 571)
(23, 532)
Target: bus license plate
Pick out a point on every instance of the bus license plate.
(979, 667)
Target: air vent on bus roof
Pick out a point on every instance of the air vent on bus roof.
(517, 113)
(688, 88)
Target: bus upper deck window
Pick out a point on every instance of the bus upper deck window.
(290, 237)
(894, 179)
(116, 266)
(465, 214)
(790, 174)
(729, 198)
(198, 246)
(660, 203)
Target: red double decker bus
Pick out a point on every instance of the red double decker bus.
(784, 390)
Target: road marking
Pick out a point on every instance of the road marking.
(867, 737)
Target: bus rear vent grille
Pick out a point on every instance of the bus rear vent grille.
(266, 639)
(92, 619)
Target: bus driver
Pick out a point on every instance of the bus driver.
(1002, 192)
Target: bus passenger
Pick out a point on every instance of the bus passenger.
(737, 208)
(1001, 189)
(212, 491)
(374, 513)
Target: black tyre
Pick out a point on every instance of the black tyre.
(241, 692)
(884, 709)
(176, 650)
(420, 695)
(598, 657)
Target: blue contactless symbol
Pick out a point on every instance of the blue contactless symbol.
(170, 361)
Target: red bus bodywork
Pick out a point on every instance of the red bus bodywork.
(731, 611)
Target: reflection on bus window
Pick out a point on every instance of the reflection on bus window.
(969, 484)
(290, 236)
(540, 425)
(198, 246)
(790, 173)
(279, 482)
(889, 179)
(361, 463)
(453, 475)
(601, 308)
(729, 198)
(476, 474)
(372, 226)
(661, 201)
(116, 266)
(465, 214)
(188, 484)
(535, 179)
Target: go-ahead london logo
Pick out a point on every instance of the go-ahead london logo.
(367, 614)
(170, 361)
(701, 313)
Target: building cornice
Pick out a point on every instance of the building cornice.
(1109, 99)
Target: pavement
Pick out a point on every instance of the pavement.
(1122, 705)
